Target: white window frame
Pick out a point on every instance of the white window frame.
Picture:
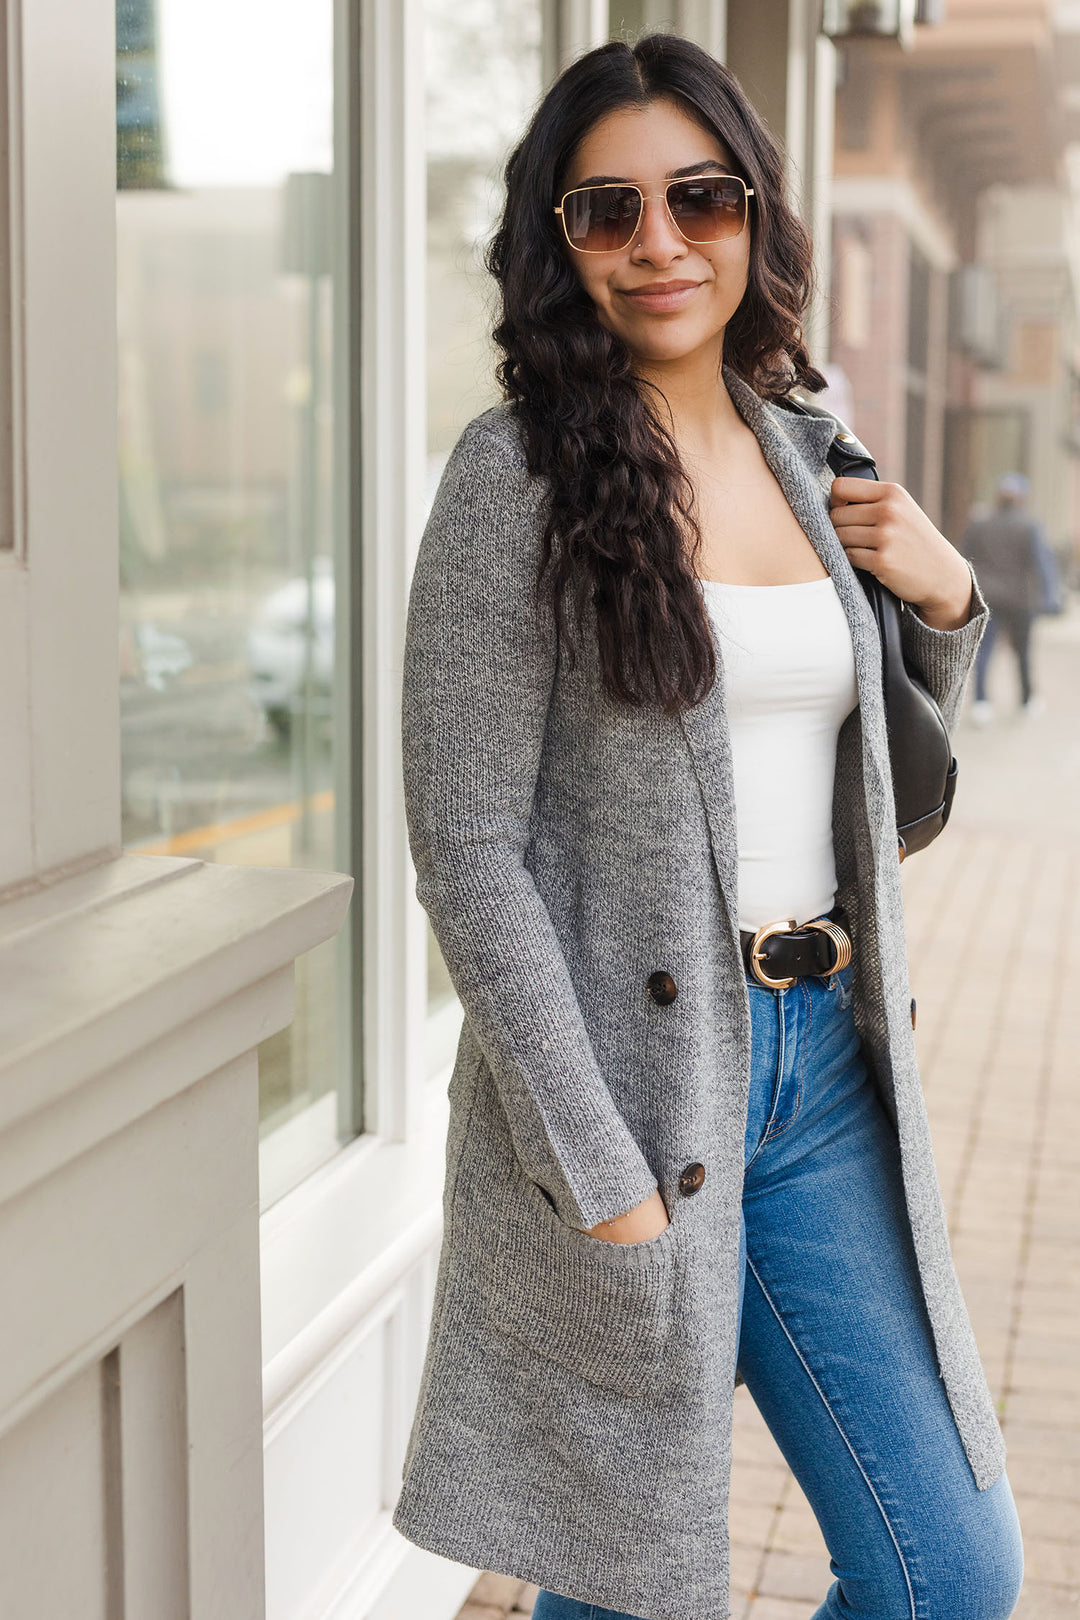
(393, 459)
(59, 698)
(348, 1256)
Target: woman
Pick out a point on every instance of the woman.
(643, 733)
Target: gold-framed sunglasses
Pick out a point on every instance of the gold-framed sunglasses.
(605, 219)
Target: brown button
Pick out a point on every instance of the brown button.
(692, 1179)
(662, 988)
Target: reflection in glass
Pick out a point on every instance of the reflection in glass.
(483, 71)
(224, 241)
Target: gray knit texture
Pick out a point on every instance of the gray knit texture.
(574, 1420)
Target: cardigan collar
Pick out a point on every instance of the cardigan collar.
(810, 436)
(795, 448)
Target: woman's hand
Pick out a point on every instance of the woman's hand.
(885, 531)
(646, 1220)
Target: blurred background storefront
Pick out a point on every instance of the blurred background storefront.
(304, 190)
(954, 257)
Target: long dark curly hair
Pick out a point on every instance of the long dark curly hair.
(621, 534)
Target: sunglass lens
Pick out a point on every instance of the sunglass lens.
(708, 210)
(601, 219)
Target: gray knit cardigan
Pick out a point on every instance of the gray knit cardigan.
(574, 1419)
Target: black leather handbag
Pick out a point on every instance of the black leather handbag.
(920, 753)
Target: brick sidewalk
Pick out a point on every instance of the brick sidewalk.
(995, 953)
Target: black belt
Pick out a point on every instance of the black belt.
(779, 953)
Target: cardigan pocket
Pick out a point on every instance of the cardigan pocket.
(604, 1311)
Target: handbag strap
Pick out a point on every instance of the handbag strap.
(847, 458)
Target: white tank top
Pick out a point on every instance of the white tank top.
(789, 679)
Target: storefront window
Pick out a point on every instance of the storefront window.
(225, 227)
(483, 72)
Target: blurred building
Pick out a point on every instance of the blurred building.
(955, 267)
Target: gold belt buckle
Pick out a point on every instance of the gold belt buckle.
(757, 955)
(840, 937)
(841, 941)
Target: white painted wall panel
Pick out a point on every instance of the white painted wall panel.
(52, 1514)
(59, 705)
(16, 821)
(323, 1477)
(73, 1254)
(154, 1464)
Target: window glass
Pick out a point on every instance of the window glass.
(483, 73)
(225, 230)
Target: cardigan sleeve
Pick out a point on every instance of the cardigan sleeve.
(943, 658)
(479, 666)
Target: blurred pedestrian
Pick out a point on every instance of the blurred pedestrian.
(1008, 550)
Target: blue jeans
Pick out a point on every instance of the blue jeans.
(835, 1344)
(1016, 623)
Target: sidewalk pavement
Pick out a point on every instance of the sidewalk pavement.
(991, 913)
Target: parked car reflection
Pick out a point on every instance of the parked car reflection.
(291, 653)
(153, 656)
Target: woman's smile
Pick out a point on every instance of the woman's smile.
(661, 297)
